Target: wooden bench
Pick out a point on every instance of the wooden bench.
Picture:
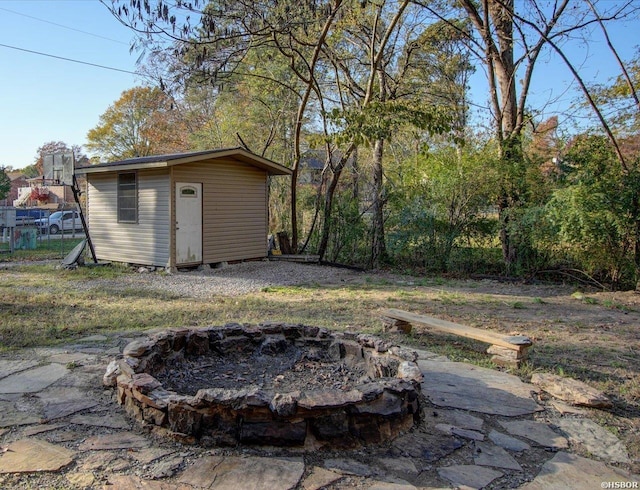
(506, 349)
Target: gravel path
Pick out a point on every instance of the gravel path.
(233, 280)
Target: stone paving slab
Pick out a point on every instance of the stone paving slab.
(62, 400)
(66, 436)
(129, 482)
(488, 454)
(508, 442)
(473, 435)
(571, 390)
(34, 455)
(10, 416)
(107, 420)
(457, 418)
(40, 429)
(595, 438)
(570, 471)
(166, 467)
(247, 473)
(537, 432)
(469, 476)
(565, 408)
(120, 440)
(70, 358)
(96, 461)
(399, 465)
(427, 447)
(200, 474)
(81, 479)
(349, 467)
(319, 478)
(10, 367)
(147, 455)
(32, 380)
(391, 485)
(467, 387)
(57, 410)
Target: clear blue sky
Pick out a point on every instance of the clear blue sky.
(47, 99)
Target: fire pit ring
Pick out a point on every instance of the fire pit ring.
(377, 406)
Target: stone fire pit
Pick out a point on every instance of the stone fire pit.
(272, 384)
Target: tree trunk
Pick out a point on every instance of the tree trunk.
(635, 205)
(328, 200)
(511, 195)
(378, 248)
(494, 23)
(326, 212)
(355, 177)
(511, 146)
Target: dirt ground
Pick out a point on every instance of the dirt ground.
(587, 334)
(590, 335)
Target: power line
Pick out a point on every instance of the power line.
(67, 59)
(64, 27)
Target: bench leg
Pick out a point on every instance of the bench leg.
(393, 325)
(507, 357)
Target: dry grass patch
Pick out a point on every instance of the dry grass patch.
(595, 341)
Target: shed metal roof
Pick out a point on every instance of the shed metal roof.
(160, 161)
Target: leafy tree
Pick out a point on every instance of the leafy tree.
(142, 122)
(440, 203)
(597, 213)
(5, 184)
(379, 53)
(619, 102)
(508, 38)
(438, 70)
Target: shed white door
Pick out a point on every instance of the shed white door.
(188, 223)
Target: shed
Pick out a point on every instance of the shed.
(181, 209)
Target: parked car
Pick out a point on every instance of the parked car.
(59, 221)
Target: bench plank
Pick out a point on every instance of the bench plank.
(517, 342)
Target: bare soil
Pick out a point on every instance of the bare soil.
(582, 333)
(588, 334)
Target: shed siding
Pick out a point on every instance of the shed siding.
(145, 242)
(234, 208)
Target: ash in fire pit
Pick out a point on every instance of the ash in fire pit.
(272, 384)
(282, 369)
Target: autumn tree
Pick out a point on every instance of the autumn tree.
(143, 121)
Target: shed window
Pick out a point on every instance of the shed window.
(127, 198)
(188, 192)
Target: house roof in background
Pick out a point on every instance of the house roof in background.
(15, 175)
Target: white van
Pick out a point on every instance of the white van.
(60, 221)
